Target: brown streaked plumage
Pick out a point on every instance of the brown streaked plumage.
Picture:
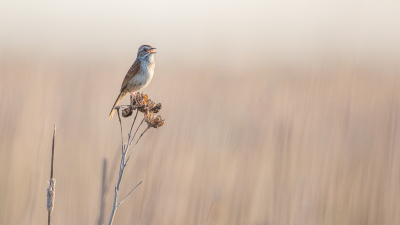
(138, 76)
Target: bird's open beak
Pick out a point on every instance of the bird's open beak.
(151, 51)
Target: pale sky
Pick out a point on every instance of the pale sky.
(281, 29)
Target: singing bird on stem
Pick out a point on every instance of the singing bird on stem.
(139, 75)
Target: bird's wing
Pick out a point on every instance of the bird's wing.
(131, 73)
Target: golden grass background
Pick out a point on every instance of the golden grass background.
(257, 130)
(294, 146)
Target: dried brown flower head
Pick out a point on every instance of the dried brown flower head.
(141, 103)
(153, 120)
(127, 112)
(156, 108)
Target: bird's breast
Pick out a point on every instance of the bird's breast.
(142, 79)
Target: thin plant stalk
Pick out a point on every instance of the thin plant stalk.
(123, 164)
(149, 108)
(52, 183)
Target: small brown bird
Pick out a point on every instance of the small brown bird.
(139, 75)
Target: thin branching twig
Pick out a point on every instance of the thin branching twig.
(142, 104)
(129, 194)
(124, 149)
(147, 128)
(134, 120)
(122, 136)
(130, 142)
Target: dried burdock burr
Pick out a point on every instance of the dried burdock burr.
(156, 108)
(141, 103)
(150, 104)
(127, 112)
(152, 120)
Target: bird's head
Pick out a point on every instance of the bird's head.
(145, 51)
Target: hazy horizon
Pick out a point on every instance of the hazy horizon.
(228, 31)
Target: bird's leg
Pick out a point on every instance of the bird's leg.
(133, 95)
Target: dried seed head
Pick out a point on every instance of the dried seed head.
(141, 103)
(143, 109)
(153, 121)
(145, 97)
(158, 122)
(51, 191)
(133, 100)
(127, 112)
(156, 108)
(150, 104)
(148, 117)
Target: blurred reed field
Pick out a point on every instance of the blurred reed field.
(295, 146)
(308, 134)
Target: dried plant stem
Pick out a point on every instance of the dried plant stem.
(130, 142)
(52, 183)
(147, 128)
(134, 120)
(103, 193)
(123, 164)
(129, 194)
(139, 103)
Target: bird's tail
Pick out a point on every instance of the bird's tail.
(120, 96)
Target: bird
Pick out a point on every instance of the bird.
(138, 76)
